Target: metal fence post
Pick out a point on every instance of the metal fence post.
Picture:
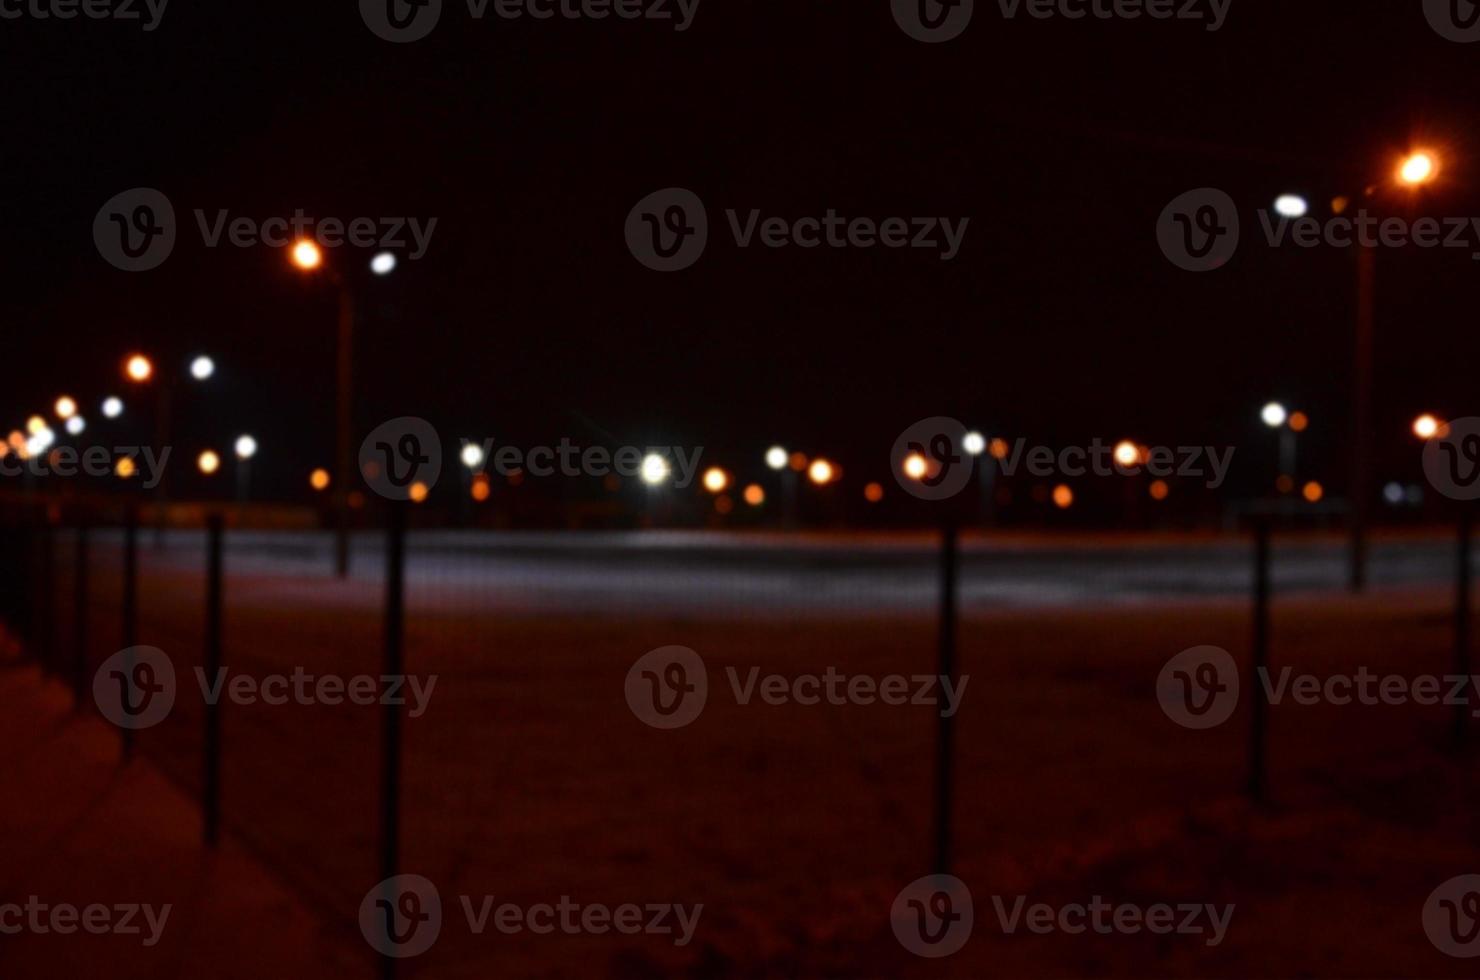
(47, 574)
(1462, 620)
(130, 611)
(946, 732)
(211, 804)
(395, 636)
(79, 617)
(1259, 663)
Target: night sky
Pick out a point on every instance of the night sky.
(529, 320)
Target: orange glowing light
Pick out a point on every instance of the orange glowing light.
(798, 461)
(307, 255)
(1418, 169)
(208, 462)
(1299, 421)
(138, 368)
(481, 489)
(418, 492)
(755, 495)
(319, 479)
(915, 466)
(1159, 490)
(821, 472)
(873, 493)
(1426, 426)
(998, 448)
(1313, 492)
(716, 479)
(723, 504)
(1063, 497)
(124, 468)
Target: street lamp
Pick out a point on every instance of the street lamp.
(1427, 426)
(655, 470)
(974, 443)
(246, 447)
(202, 368)
(776, 458)
(1274, 415)
(383, 264)
(112, 407)
(1418, 168)
(138, 368)
(716, 479)
(472, 455)
(821, 472)
(208, 462)
(1291, 206)
(75, 425)
(307, 255)
(65, 407)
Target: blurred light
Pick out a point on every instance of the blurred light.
(999, 449)
(418, 492)
(202, 368)
(1418, 169)
(138, 368)
(1340, 204)
(472, 455)
(17, 440)
(776, 458)
(1274, 415)
(1127, 453)
(1313, 492)
(723, 504)
(40, 441)
(974, 443)
(716, 479)
(1393, 493)
(35, 425)
(915, 466)
(112, 408)
(383, 264)
(307, 255)
(208, 462)
(1159, 490)
(482, 489)
(873, 493)
(319, 479)
(75, 425)
(1426, 426)
(246, 447)
(124, 468)
(797, 461)
(755, 495)
(356, 500)
(1299, 421)
(1291, 206)
(820, 472)
(1285, 483)
(655, 469)
(65, 407)
(1063, 497)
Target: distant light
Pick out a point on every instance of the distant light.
(65, 407)
(1313, 492)
(482, 489)
(797, 461)
(1127, 453)
(655, 470)
(1274, 415)
(716, 479)
(1291, 206)
(1063, 497)
(319, 479)
(999, 449)
(472, 455)
(1426, 426)
(1285, 483)
(307, 255)
(776, 458)
(124, 468)
(873, 493)
(75, 425)
(1159, 490)
(820, 472)
(40, 441)
(755, 495)
(1418, 169)
(35, 425)
(418, 492)
(1299, 421)
(202, 368)
(975, 443)
(1394, 494)
(1340, 204)
(723, 504)
(208, 462)
(246, 447)
(915, 466)
(138, 368)
(383, 264)
(112, 408)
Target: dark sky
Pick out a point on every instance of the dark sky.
(529, 320)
